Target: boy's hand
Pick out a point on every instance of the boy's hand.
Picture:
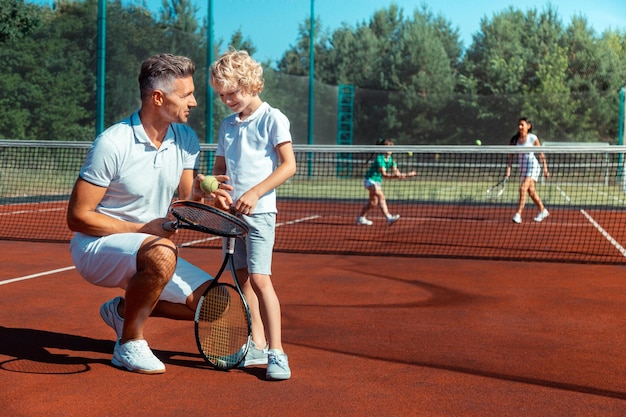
(246, 203)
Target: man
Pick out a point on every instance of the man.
(120, 202)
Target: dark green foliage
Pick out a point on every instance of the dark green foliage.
(16, 19)
(413, 80)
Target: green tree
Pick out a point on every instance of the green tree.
(403, 70)
(48, 74)
(173, 30)
(427, 80)
(595, 73)
(238, 42)
(124, 55)
(516, 66)
(17, 19)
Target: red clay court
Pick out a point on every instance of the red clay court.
(478, 317)
(365, 335)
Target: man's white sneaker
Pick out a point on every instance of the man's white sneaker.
(517, 218)
(542, 215)
(364, 221)
(136, 356)
(108, 312)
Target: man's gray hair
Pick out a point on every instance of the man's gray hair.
(159, 72)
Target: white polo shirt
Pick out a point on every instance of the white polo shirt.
(249, 148)
(140, 179)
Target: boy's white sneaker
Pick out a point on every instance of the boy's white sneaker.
(255, 356)
(277, 365)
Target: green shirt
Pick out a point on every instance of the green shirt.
(373, 172)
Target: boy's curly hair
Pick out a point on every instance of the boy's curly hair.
(236, 70)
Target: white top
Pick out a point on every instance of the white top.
(528, 164)
(140, 179)
(249, 148)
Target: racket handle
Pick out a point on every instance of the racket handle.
(169, 226)
(230, 245)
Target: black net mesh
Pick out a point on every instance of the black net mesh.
(445, 211)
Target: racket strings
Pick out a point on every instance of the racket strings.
(496, 190)
(223, 326)
(208, 220)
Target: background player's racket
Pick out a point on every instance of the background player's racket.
(496, 190)
(222, 323)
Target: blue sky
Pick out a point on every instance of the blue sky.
(272, 25)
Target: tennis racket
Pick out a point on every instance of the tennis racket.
(496, 190)
(222, 321)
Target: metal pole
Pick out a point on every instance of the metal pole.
(101, 65)
(621, 127)
(620, 137)
(311, 80)
(208, 133)
(209, 89)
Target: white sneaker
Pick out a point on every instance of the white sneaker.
(108, 312)
(255, 356)
(517, 218)
(136, 356)
(277, 365)
(541, 216)
(364, 221)
(392, 219)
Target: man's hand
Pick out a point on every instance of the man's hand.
(158, 227)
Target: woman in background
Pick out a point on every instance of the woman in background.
(529, 169)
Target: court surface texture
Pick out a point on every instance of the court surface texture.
(365, 335)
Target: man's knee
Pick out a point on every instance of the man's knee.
(158, 255)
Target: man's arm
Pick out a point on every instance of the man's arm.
(82, 216)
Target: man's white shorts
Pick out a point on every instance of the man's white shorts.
(111, 261)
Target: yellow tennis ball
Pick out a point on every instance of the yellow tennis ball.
(209, 184)
(479, 142)
(410, 153)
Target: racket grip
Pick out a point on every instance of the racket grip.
(169, 226)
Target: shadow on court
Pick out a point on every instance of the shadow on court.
(365, 336)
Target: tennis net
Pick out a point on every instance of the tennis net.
(445, 211)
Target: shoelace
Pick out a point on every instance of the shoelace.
(140, 349)
(276, 360)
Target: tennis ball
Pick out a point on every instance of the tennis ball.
(479, 142)
(209, 184)
(410, 153)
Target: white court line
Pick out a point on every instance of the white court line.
(563, 193)
(31, 211)
(604, 233)
(195, 242)
(304, 219)
(41, 274)
(208, 239)
(68, 268)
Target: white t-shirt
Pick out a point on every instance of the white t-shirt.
(249, 148)
(528, 163)
(140, 179)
